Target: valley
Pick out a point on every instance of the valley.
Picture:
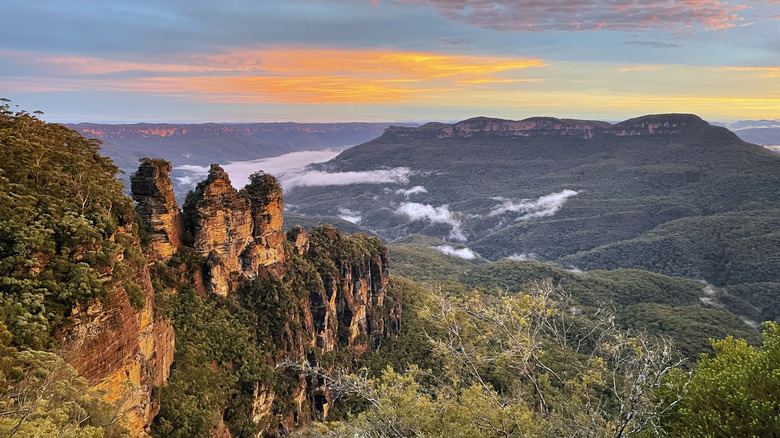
(540, 267)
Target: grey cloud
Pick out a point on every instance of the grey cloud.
(577, 15)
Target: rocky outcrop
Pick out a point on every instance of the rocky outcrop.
(153, 191)
(300, 239)
(239, 234)
(332, 286)
(266, 252)
(348, 310)
(221, 225)
(665, 124)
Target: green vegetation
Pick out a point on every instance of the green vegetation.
(702, 204)
(416, 258)
(512, 365)
(224, 345)
(61, 217)
(42, 396)
(734, 393)
(641, 300)
(217, 363)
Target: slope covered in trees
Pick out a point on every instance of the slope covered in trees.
(67, 241)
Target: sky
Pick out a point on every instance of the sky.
(389, 60)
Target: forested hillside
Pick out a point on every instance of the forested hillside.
(668, 193)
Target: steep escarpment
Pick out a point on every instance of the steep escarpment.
(664, 124)
(76, 296)
(315, 299)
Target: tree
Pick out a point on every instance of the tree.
(50, 399)
(518, 365)
(734, 393)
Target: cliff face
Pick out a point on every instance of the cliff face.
(347, 309)
(122, 350)
(665, 124)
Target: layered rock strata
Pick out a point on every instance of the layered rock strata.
(156, 206)
(122, 350)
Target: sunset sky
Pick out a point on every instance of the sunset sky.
(389, 60)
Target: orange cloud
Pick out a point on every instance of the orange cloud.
(767, 72)
(259, 89)
(292, 76)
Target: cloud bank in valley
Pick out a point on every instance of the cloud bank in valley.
(291, 171)
(305, 178)
(437, 215)
(239, 171)
(463, 253)
(544, 206)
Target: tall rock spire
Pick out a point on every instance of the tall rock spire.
(152, 190)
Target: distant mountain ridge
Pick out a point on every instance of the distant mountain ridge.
(208, 143)
(763, 132)
(663, 124)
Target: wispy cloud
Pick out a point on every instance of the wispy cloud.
(350, 215)
(437, 215)
(523, 257)
(544, 206)
(653, 44)
(463, 253)
(623, 15)
(642, 67)
(767, 72)
(416, 190)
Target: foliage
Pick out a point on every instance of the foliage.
(217, 362)
(725, 249)
(417, 260)
(734, 393)
(42, 396)
(691, 327)
(60, 211)
(518, 365)
(641, 300)
(260, 186)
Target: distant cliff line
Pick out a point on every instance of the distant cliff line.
(658, 124)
